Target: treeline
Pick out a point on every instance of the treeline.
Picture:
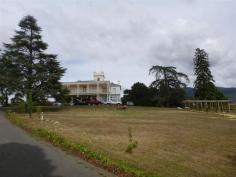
(230, 93)
(31, 76)
(168, 88)
(27, 73)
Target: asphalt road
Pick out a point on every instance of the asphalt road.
(23, 156)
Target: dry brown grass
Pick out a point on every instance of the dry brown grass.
(174, 143)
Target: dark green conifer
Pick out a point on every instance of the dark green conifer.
(39, 72)
(204, 84)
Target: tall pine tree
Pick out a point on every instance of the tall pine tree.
(39, 72)
(204, 84)
(9, 81)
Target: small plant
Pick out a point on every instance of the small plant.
(132, 143)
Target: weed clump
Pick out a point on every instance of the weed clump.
(132, 143)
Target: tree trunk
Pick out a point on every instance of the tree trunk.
(29, 103)
(29, 94)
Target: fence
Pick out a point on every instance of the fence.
(210, 105)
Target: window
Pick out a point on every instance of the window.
(114, 98)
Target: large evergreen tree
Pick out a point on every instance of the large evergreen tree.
(204, 84)
(39, 72)
(8, 80)
(169, 84)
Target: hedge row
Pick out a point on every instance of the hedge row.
(22, 108)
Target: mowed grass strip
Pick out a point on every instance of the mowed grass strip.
(171, 143)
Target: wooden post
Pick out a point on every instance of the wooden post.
(41, 117)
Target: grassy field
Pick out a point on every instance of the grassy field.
(173, 143)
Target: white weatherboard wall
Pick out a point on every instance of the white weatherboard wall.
(99, 88)
(115, 93)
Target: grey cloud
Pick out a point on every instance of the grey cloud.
(125, 38)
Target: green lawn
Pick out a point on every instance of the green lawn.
(172, 143)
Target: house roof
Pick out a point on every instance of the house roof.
(88, 81)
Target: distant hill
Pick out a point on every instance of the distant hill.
(228, 92)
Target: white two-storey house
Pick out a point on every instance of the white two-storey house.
(99, 88)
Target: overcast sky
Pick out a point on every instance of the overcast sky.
(124, 38)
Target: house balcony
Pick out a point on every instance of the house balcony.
(88, 89)
(88, 92)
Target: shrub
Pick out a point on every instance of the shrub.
(21, 108)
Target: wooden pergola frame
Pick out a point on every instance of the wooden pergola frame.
(208, 105)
